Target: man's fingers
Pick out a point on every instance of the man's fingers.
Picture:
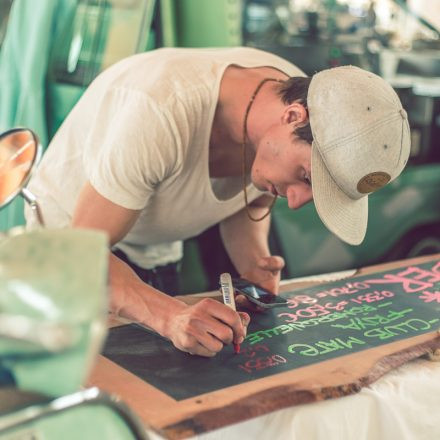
(217, 329)
(199, 350)
(245, 320)
(243, 302)
(225, 314)
(204, 328)
(273, 263)
(198, 341)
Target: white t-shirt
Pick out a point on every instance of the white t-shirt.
(140, 134)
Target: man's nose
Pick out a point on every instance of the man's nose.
(297, 197)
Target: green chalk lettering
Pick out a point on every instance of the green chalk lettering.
(379, 333)
(328, 346)
(350, 342)
(306, 350)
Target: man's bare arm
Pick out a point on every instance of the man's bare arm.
(200, 329)
(246, 242)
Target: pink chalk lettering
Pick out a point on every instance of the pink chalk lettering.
(296, 300)
(262, 363)
(360, 285)
(427, 296)
(373, 296)
(413, 279)
(338, 306)
(290, 317)
(312, 311)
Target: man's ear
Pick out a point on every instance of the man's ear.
(296, 114)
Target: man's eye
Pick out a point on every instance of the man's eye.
(307, 180)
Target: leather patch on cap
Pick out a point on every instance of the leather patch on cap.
(372, 182)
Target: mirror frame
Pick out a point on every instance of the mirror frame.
(36, 159)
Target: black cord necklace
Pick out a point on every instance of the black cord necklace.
(244, 145)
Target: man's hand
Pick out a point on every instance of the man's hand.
(205, 327)
(247, 246)
(266, 273)
(201, 329)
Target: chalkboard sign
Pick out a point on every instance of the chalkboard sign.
(319, 323)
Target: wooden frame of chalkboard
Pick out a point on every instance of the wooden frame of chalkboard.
(178, 416)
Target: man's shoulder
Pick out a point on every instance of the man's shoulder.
(174, 57)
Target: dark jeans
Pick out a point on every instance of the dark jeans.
(164, 278)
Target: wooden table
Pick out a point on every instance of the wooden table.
(180, 419)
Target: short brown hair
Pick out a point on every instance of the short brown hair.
(296, 89)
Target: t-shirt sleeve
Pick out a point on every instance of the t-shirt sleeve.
(130, 149)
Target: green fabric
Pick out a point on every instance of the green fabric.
(32, 30)
(12, 215)
(56, 277)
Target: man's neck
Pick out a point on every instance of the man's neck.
(236, 89)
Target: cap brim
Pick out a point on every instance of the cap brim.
(345, 217)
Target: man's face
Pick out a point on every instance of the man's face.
(282, 166)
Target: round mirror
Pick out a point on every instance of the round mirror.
(19, 152)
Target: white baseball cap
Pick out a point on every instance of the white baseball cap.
(361, 142)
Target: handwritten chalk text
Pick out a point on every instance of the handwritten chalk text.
(324, 347)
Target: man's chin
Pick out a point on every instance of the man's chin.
(261, 188)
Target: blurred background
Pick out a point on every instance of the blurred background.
(51, 50)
